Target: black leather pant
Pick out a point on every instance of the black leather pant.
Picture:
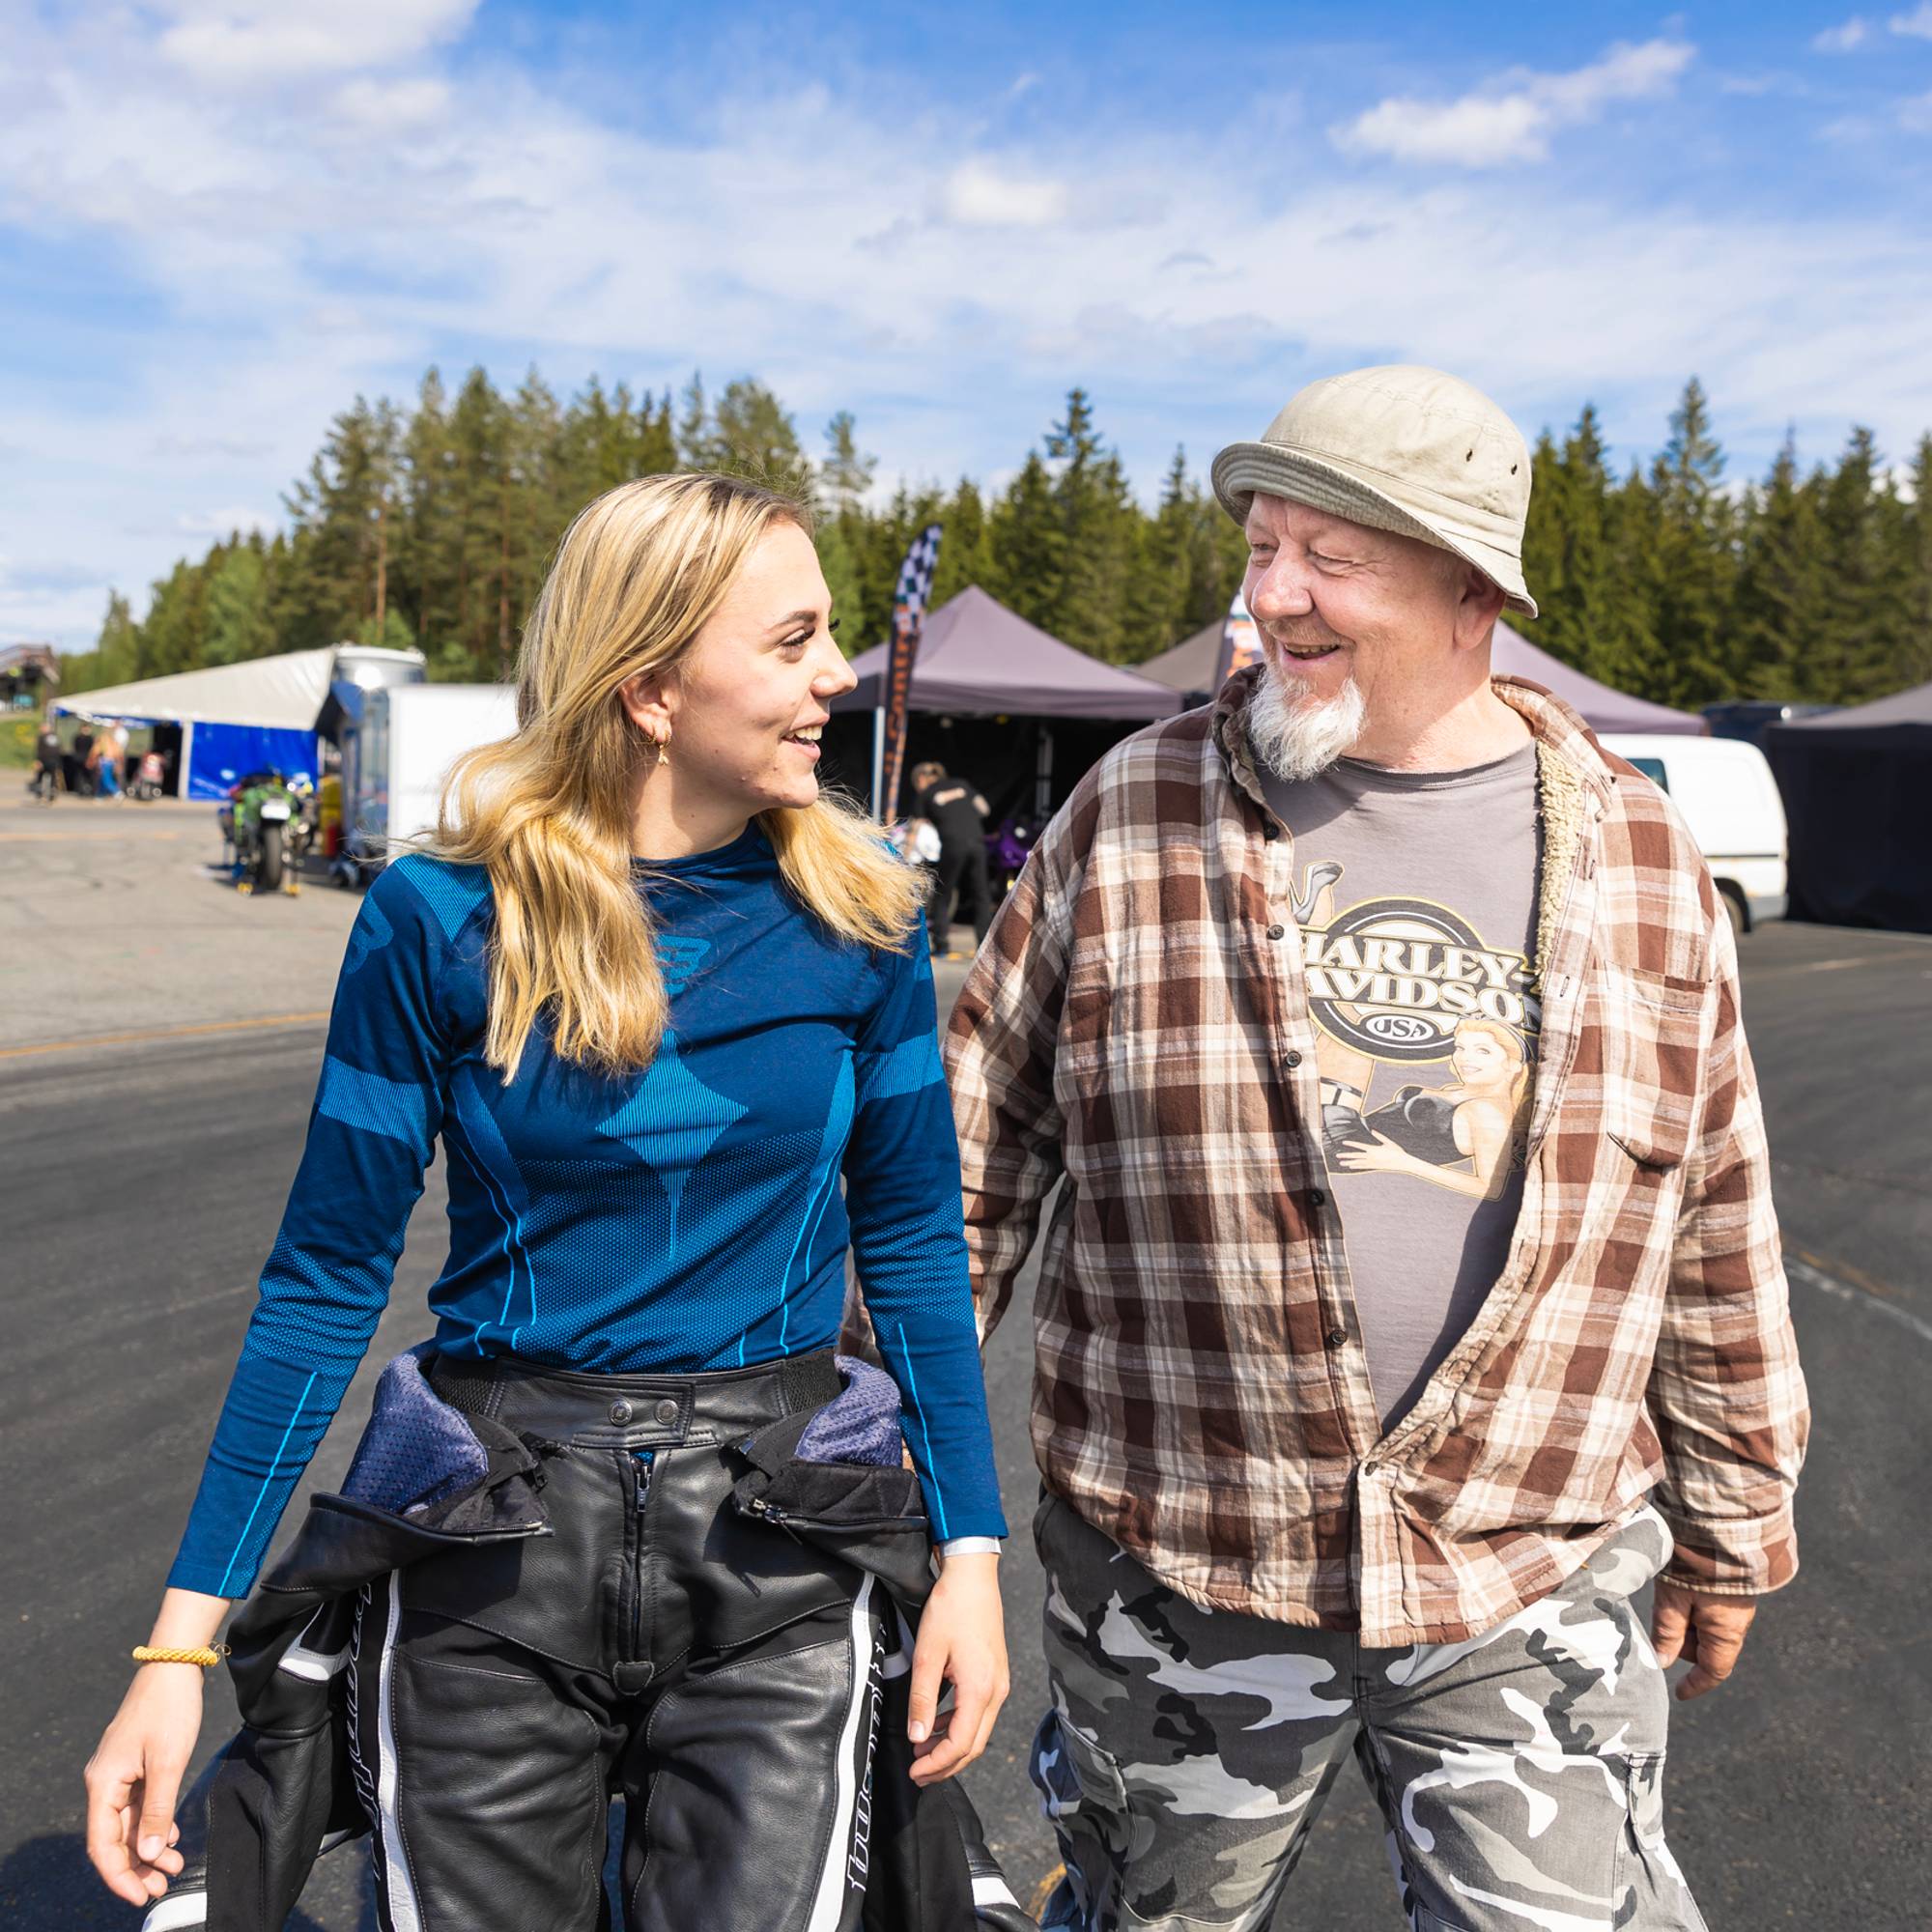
(718, 1673)
(961, 870)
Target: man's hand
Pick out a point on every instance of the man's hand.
(1706, 1631)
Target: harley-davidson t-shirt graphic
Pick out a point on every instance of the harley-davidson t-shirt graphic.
(1415, 900)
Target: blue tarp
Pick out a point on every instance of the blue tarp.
(221, 753)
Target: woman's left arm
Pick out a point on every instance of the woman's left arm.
(909, 1241)
(908, 1238)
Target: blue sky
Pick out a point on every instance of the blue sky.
(222, 220)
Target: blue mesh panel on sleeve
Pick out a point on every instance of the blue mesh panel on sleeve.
(396, 1109)
(905, 1069)
(371, 932)
(452, 892)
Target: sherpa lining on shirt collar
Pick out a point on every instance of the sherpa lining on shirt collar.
(1573, 781)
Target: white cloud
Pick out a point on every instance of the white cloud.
(1513, 119)
(233, 41)
(1917, 24)
(392, 106)
(283, 266)
(1841, 39)
(979, 196)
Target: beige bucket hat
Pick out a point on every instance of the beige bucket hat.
(1401, 448)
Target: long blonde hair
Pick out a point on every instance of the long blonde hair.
(635, 578)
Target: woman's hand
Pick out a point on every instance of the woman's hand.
(962, 1640)
(135, 1775)
(134, 1778)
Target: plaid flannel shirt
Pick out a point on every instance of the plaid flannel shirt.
(1137, 1027)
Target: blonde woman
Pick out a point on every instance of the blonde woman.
(655, 995)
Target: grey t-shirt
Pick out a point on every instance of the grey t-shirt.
(1415, 893)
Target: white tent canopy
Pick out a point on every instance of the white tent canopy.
(282, 692)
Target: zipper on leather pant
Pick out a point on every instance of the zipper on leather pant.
(642, 1461)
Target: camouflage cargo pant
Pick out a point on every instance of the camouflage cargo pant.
(1188, 1751)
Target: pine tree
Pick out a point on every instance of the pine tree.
(435, 524)
(1781, 604)
(1915, 666)
(1096, 517)
(1173, 553)
(757, 438)
(964, 554)
(1862, 640)
(846, 472)
(429, 538)
(1691, 567)
(1028, 547)
(238, 623)
(695, 440)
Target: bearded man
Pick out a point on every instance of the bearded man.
(1412, 1296)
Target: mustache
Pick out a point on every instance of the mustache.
(1298, 640)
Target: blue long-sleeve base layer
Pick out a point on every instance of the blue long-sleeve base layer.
(684, 1219)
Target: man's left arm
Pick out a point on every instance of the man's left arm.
(1725, 1392)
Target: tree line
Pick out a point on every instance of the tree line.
(433, 526)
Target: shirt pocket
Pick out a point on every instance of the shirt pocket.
(1653, 1061)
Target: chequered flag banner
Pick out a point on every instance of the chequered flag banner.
(915, 584)
(915, 587)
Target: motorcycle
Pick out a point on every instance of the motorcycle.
(269, 826)
(1006, 850)
(150, 779)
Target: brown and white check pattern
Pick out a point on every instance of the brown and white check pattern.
(1137, 1024)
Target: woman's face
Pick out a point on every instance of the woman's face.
(1479, 1060)
(749, 698)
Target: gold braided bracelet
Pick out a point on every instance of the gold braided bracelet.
(208, 1656)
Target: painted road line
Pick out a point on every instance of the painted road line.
(1819, 966)
(163, 1033)
(127, 835)
(1809, 1276)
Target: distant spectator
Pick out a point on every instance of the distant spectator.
(47, 755)
(79, 761)
(958, 813)
(106, 763)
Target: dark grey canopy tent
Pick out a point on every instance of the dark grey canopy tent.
(1856, 785)
(979, 658)
(1000, 700)
(1190, 666)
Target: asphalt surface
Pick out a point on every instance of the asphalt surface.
(144, 1177)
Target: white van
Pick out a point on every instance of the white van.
(1729, 799)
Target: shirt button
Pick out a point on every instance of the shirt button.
(1317, 1199)
(1270, 830)
(1371, 1468)
(665, 1412)
(1277, 931)
(622, 1411)
(1291, 1058)
(1336, 1337)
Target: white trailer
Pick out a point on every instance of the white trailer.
(409, 737)
(1729, 799)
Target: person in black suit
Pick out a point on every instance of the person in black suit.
(958, 813)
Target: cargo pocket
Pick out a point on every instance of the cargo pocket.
(1653, 1035)
(1647, 1886)
(1073, 1775)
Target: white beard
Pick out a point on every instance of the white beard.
(1295, 735)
